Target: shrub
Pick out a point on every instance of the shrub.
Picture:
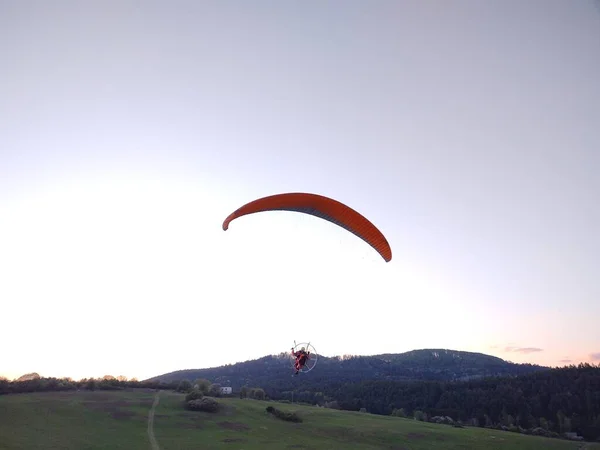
(399, 412)
(420, 416)
(206, 404)
(284, 415)
(214, 390)
(257, 394)
(202, 385)
(194, 395)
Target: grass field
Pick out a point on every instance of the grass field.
(119, 420)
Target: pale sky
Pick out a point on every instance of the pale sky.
(467, 131)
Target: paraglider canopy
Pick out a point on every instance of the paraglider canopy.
(322, 207)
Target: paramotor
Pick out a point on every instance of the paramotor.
(313, 357)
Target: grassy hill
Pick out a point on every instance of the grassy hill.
(119, 420)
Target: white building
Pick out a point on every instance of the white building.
(226, 390)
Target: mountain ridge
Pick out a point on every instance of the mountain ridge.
(273, 372)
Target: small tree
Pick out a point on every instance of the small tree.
(215, 390)
(203, 385)
(258, 394)
(243, 392)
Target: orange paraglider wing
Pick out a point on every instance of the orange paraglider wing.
(323, 207)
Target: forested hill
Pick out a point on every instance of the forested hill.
(273, 373)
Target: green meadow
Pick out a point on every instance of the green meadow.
(120, 420)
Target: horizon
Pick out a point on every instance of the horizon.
(473, 150)
(280, 353)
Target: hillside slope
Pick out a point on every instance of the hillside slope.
(119, 420)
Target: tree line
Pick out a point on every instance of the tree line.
(559, 400)
(35, 383)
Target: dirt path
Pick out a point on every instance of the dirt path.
(153, 443)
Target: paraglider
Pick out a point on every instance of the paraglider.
(324, 208)
(303, 357)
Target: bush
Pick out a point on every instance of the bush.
(214, 390)
(284, 415)
(206, 404)
(257, 394)
(194, 395)
(420, 416)
(202, 385)
(399, 412)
